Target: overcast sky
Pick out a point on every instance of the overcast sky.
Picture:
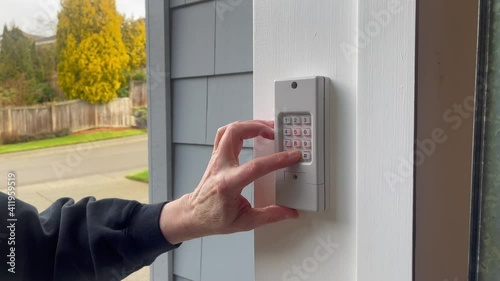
(39, 16)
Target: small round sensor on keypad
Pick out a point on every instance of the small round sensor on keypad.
(294, 85)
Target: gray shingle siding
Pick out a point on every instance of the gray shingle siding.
(211, 61)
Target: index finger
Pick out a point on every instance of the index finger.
(258, 167)
(235, 133)
(221, 131)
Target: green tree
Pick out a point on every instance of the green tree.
(92, 56)
(23, 73)
(45, 63)
(17, 55)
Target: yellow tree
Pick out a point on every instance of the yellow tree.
(91, 53)
(134, 38)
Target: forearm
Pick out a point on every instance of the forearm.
(87, 240)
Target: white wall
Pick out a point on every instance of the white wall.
(367, 233)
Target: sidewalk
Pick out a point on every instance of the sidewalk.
(110, 185)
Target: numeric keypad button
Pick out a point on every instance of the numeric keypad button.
(287, 143)
(306, 155)
(297, 143)
(297, 132)
(306, 143)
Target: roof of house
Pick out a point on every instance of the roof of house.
(39, 40)
(45, 40)
(32, 36)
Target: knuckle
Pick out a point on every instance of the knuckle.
(221, 130)
(221, 184)
(233, 126)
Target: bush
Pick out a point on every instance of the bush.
(18, 91)
(44, 92)
(63, 133)
(15, 138)
(141, 117)
(133, 75)
(8, 138)
(123, 92)
(137, 75)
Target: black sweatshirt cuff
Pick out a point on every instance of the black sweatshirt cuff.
(144, 229)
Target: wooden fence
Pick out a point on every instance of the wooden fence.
(138, 93)
(73, 115)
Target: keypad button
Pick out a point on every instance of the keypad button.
(297, 143)
(297, 134)
(306, 155)
(306, 143)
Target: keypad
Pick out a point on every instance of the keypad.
(297, 134)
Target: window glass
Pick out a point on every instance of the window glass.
(489, 228)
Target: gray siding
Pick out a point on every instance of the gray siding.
(233, 37)
(190, 110)
(178, 278)
(193, 35)
(229, 99)
(211, 61)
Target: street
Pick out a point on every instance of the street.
(90, 169)
(74, 161)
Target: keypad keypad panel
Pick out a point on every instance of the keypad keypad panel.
(297, 134)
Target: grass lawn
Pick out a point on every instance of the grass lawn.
(140, 176)
(67, 140)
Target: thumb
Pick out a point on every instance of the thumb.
(257, 217)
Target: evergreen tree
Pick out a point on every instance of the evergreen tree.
(17, 55)
(92, 56)
(134, 38)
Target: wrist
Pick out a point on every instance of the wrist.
(175, 221)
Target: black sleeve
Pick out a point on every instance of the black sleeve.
(88, 240)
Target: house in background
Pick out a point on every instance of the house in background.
(51, 40)
(38, 40)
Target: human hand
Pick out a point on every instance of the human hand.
(216, 206)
